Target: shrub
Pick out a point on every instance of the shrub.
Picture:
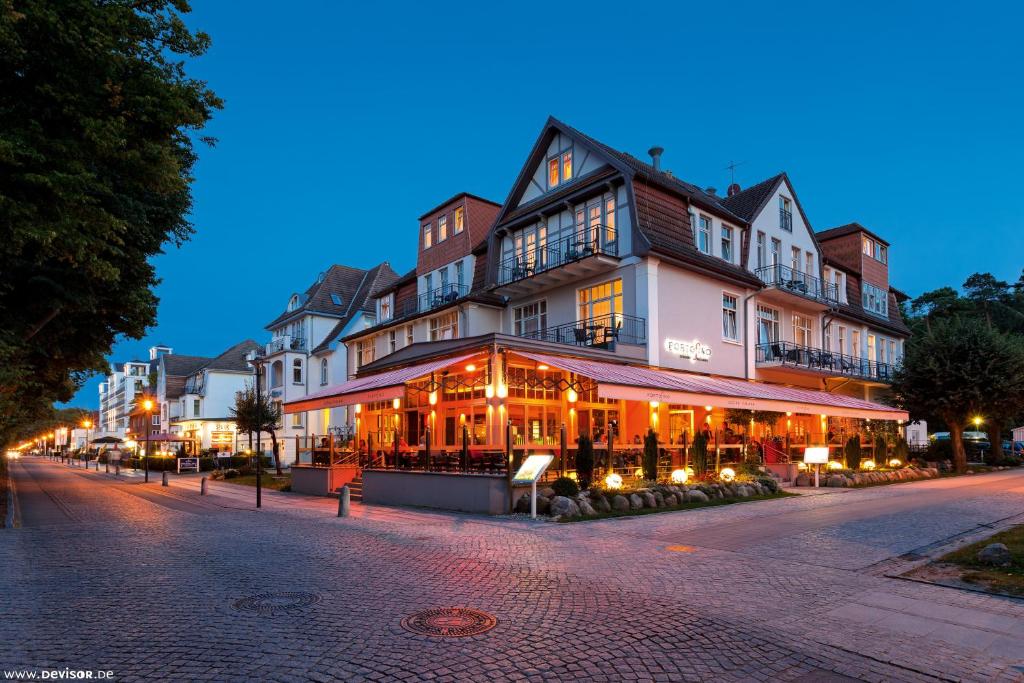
(229, 473)
(585, 462)
(564, 486)
(650, 461)
(901, 450)
(751, 468)
(217, 474)
(769, 483)
(699, 455)
(881, 448)
(852, 453)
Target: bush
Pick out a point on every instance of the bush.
(564, 486)
(901, 450)
(751, 468)
(852, 453)
(699, 455)
(229, 473)
(769, 483)
(585, 462)
(881, 450)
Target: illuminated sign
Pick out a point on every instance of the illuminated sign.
(694, 350)
(532, 469)
(816, 455)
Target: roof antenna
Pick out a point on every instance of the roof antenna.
(732, 170)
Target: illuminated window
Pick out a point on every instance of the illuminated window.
(601, 300)
(801, 330)
(297, 371)
(428, 236)
(553, 172)
(460, 220)
(566, 166)
(442, 228)
(767, 325)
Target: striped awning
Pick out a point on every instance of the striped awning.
(671, 386)
(380, 387)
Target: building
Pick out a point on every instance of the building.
(122, 387)
(612, 297)
(304, 353)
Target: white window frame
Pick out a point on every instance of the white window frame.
(459, 220)
(297, 374)
(775, 320)
(762, 249)
(807, 329)
(520, 318)
(705, 227)
(444, 326)
(428, 235)
(392, 341)
(442, 228)
(727, 242)
(734, 313)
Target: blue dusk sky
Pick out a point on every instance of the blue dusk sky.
(343, 122)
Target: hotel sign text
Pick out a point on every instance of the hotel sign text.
(694, 350)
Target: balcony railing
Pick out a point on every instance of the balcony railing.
(602, 331)
(785, 220)
(285, 343)
(439, 296)
(597, 239)
(790, 280)
(788, 354)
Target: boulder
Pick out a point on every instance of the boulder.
(995, 554)
(649, 500)
(836, 481)
(620, 504)
(683, 495)
(743, 491)
(586, 509)
(543, 505)
(523, 504)
(636, 502)
(671, 500)
(698, 496)
(804, 480)
(659, 499)
(547, 492)
(601, 504)
(564, 507)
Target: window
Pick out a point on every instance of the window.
(727, 243)
(871, 347)
(297, 371)
(826, 333)
(801, 330)
(874, 300)
(809, 269)
(892, 350)
(841, 341)
(874, 249)
(460, 274)
(767, 325)
(566, 165)
(323, 371)
(428, 283)
(836, 278)
(195, 407)
(600, 300)
(776, 252)
(460, 220)
(444, 326)
(444, 281)
(392, 341)
(385, 307)
(297, 420)
(442, 228)
(408, 335)
(730, 328)
(553, 172)
(785, 213)
(530, 320)
(364, 353)
(704, 234)
(335, 299)
(855, 343)
(762, 250)
(428, 236)
(794, 261)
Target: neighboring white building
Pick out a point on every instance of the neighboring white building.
(125, 383)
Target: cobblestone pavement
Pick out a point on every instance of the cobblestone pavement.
(143, 580)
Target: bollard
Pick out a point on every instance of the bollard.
(343, 501)
(202, 486)
(117, 469)
(106, 466)
(163, 482)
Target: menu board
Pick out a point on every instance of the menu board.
(532, 469)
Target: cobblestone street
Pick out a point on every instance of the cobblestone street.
(112, 574)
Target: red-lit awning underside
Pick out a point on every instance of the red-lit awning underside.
(382, 387)
(667, 386)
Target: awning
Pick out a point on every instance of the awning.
(381, 387)
(668, 386)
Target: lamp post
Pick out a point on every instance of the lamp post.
(88, 425)
(257, 364)
(147, 405)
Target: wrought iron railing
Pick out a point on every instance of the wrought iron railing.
(790, 280)
(439, 296)
(594, 240)
(602, 331)
(807, 357)
(284, 343)
(785, 220)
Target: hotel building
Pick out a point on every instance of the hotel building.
(608, 297)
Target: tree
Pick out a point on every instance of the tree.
(986, 292)
(264, 415)
(585, 461)
(97, 119)
(650, 456)
(956, 369)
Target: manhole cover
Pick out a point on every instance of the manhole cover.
(270, 603)
(449, 622)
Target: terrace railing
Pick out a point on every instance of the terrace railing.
(592, 241)
(602, 331)
(788, 354)
(790, 280)
(439, 296)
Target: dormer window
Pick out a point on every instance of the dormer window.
(875, 250)
(428, 236)
(385, 307)
(335, 299)
(460, 220)
(704, 234)
(442, 228)
(560, 168)
(293, 303)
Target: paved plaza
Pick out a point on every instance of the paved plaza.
(151, 583)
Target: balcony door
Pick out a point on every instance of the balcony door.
(767, 325)
(601, 303)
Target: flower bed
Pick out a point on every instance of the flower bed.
(851, 479)
(597, 503)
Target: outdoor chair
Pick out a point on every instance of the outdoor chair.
(580, 335)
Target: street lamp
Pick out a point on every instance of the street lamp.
(147, 405)
(257, 364)
(977, 422)
(88, 425)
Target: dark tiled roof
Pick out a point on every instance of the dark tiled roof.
(234, 358)
(394, 284)
(748, 203)
(454, 199)
(847, 229)
(182, 366)
(345, 282)
(378, 278)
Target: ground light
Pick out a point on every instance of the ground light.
(895, 462)
(727, 474)
(835, 465)
(679, 476)
(868, 465)
(613, 481)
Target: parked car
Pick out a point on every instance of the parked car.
(976, 444)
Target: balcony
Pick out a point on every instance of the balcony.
(581, 254)
(285, 343)
(600, 332)
(785, 220)
(819, 361)
(788, 282)
(439, 296)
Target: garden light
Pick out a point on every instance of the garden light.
(868, 465)
(727, 474)
(679, 476)
(638, 473)
(895, 462)
(613, 481)
(835, 465)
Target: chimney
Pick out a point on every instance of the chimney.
(655, 153)
(711, 191)
(734, 188)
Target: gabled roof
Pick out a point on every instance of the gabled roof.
(181, 366)
(749, 202)
(456, 198)
(233, 359)
(848, 229)
(338, 293)
(378, 278)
